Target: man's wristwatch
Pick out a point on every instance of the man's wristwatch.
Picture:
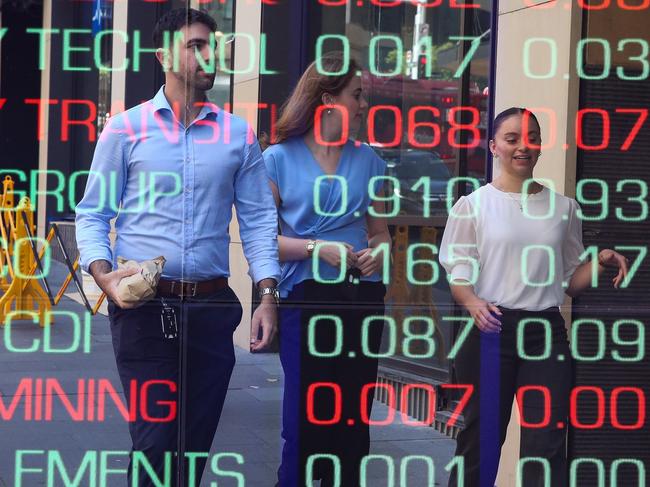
(311, 244)
(273, 291)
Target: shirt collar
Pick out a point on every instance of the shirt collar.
(159, 102)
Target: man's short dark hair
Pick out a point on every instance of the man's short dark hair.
(176, 19)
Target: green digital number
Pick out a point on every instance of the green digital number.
(403, 469)
(450, 196)
(344, 195)
(607, 58)
(315, 263)
(393, 198)
(551, 265)
(311, 334)
(411, 262)
(476, 42)
(385, 39)
(458, 462)
(643, 251)
(425, 183)
(638, 342)
(426, 337)
(26, 243)
(384, 249)
(638, 464)
(521, 332)
(551, 206)
(592, 251)
(600, 468)
(521, 464)
(602, 200)
(600, 331)
(526, 61)
(641, 58)
(390, 469)
(345, 44)
(309, 467)
(473, 262)
(462, 336)
(640, 199)
(390, 341)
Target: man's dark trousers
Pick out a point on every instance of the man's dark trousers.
(143, 354)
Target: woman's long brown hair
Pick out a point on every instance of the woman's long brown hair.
(297, 113)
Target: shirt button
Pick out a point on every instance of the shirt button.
(188, 189)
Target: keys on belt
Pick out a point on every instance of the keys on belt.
(168, 321)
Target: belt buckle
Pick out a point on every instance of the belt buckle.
(182, 293)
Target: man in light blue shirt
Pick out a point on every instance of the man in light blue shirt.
(170, 170)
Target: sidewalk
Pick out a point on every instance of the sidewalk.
(250, 423)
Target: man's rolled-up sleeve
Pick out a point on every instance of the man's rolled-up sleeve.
(257, 215)
(101, 198)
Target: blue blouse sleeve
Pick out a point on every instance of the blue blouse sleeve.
(271, 167)
(378, 169)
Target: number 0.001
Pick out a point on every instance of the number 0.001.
(389, 462)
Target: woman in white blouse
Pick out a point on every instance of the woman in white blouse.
(512, 249)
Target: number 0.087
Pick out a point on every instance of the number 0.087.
(410, 325)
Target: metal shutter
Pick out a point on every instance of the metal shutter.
(605, 303)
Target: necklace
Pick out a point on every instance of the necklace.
(520, 201)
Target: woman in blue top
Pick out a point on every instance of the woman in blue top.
(322, 183)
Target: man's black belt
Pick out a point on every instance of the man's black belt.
(183, 289)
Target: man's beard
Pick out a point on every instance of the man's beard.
(199, 81)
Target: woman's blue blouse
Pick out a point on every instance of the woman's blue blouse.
(314, 205)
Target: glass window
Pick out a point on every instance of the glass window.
(222, 12)
(425, 74)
